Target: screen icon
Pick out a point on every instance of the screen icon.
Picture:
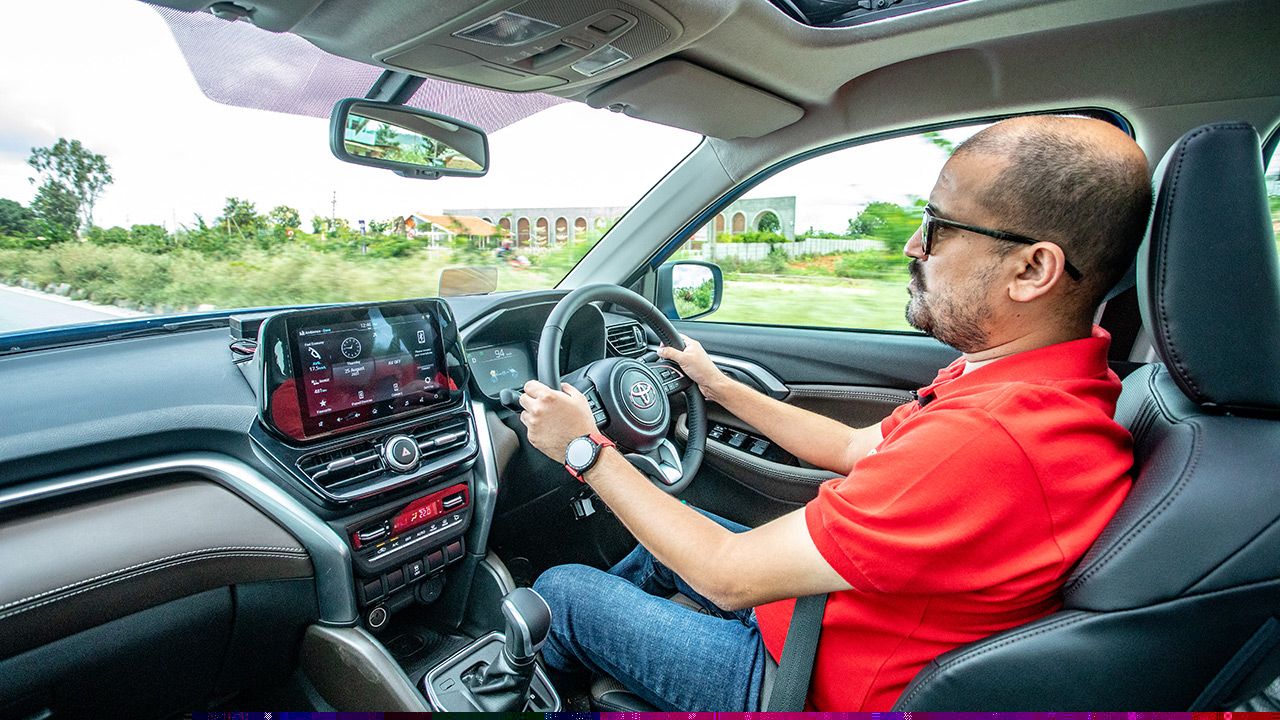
(314, 354)
(422, 337)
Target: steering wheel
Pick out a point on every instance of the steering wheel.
(629, 398)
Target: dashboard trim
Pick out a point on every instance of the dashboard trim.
(329, 553)
(755, 371)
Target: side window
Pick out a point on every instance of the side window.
(1273, 193)
(820, 244)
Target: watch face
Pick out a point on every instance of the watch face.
(579, 452)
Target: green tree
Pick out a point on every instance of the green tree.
(377, 228)
(14, 219)
(943, 144)
(240, 217)
(769, 223)
(57, 209)
(888, 221)
(150, 238)
(284, 217)
(69, 169)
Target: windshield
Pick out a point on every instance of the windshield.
(125, 190)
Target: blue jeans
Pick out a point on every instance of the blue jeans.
(621, 624)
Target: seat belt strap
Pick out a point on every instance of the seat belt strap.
(795, 668)
(1248, 658)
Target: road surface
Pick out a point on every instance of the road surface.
(22, 309)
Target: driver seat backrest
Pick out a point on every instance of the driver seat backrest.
(1187, 573)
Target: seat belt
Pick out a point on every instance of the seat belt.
(791, 687)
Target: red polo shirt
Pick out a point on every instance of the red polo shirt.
(965, 520)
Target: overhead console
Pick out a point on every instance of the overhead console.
(537, 44)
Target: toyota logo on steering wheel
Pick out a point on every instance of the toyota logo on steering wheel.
(642, 395)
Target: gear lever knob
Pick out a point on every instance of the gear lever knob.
(528, 620)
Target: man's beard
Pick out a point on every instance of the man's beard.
(958, 319)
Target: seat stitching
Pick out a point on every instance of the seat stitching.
(141, 573)
(1183, 481)
(1065, 622)
(68, 586)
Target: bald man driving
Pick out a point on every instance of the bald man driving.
(958, 516)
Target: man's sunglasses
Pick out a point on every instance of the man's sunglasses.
(929, 224)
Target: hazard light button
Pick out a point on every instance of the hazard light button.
(401, 453)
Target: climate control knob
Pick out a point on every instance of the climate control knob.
(401, 453)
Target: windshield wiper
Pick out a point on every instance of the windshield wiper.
(169, 327)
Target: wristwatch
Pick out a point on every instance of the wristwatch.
(583, 452)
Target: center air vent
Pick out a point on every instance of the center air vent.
(359, 469)
(626, 340)
(344, 467)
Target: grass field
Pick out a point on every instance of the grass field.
(181, 280)
(815, 302)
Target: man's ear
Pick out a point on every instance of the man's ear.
(1040, 268)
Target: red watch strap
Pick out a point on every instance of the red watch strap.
(602, 442)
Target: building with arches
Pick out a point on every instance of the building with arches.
(545, 226)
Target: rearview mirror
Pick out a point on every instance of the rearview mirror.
(689, 289)
(414, 143)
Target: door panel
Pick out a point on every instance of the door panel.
(855, 378)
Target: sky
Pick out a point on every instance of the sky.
(109, 73)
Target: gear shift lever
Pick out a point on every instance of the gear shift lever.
(528, 621)
(503, 685)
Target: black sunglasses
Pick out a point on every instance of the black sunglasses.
(929, 224)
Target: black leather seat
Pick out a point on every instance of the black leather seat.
(1185, 581)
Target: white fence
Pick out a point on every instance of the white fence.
(758, 251)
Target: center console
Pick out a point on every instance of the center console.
(365, 409)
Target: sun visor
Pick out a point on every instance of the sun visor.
(686, 96)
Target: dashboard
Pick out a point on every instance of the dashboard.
(394, 493)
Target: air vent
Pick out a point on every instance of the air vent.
(359, 469)
(626, 340)
(344, 467)
(441, 436)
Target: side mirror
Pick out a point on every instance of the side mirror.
(689, 289)
(414, 143)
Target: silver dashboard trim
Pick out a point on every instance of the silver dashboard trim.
(329, 554)
(757, 372)
(484, 493)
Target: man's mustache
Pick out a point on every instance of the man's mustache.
(917, 273)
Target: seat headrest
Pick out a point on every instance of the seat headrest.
(1208, 281)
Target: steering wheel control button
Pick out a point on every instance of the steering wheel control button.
(401, 453)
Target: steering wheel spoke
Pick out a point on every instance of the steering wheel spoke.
(662, 463)
(673, 379)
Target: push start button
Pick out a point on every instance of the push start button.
(401, 453)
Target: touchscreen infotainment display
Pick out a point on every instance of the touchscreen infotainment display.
(352, 366)
(353, 371)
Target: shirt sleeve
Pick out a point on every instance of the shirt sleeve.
(895, 418)
(947, 505)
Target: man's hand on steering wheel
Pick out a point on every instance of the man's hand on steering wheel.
(695, 363)
(554, 417)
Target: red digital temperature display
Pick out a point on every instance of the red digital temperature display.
(425, 509)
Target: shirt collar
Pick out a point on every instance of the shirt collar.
(1086, 357)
